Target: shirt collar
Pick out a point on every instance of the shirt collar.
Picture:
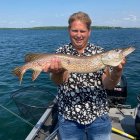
(75, 52)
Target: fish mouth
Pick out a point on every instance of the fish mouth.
(127, 51)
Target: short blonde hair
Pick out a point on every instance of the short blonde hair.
(81, 16)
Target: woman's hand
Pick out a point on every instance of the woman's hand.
(111, 78)
(58, 73)
(54, 66)
(120, 67)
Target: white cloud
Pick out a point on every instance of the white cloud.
(32, 21)
(130, 18)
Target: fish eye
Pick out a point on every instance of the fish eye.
(117, 50)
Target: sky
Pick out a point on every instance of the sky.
(35, 13)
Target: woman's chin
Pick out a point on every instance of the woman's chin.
(79, 45)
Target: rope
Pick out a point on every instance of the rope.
(30, 124)
(25, 121)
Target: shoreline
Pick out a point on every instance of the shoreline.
(65, 27)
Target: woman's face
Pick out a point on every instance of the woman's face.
(79, 35)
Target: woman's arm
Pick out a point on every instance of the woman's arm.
(111, 78)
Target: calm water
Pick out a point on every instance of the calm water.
(14, 44)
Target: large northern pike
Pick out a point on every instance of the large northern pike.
(73, 64)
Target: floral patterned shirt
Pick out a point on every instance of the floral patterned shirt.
(82, 98)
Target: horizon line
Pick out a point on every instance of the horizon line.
(58, 27)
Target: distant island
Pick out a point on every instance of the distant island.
(64, 27)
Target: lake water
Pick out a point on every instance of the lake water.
(14, 44)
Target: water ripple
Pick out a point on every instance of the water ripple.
(14, 44)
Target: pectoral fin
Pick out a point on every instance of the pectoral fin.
(108, 70)
(65, 76)
(35, 74)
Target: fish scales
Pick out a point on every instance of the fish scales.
(79, 64)
(73, 64)
(82, 64)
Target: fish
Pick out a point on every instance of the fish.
(73, 64)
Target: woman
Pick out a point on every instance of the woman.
(82, 99)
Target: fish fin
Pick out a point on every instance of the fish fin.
(32, 56)
(19, 73)
(65, 76)
(35, 74)
(108, 69)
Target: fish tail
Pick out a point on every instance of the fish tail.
(19, 73)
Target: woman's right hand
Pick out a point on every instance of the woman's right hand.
(58, 73)
(54, 66)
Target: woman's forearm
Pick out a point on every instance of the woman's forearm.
(111, 79)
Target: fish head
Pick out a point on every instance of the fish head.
(127, 51)
(114, 57)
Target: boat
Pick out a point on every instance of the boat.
(125, 119)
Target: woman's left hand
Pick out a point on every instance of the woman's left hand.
(120, 67)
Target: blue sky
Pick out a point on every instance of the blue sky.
(32, 13)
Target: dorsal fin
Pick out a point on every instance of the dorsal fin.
(32, 56)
